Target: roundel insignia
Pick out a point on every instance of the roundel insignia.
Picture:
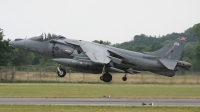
(56, 48)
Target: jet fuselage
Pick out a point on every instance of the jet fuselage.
(63, 52)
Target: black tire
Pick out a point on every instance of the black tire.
(124, 78)
(101, 78)
(63, 73)
(107, 77)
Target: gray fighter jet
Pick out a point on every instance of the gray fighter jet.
(96, 58)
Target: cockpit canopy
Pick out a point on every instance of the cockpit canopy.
(45, 36)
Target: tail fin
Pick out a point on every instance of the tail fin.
(172, 50)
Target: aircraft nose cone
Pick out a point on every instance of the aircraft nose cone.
(11, 43)
(17, 43)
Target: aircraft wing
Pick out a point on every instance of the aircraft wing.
(95, 52)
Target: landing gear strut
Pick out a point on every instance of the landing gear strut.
(106, 77)
(124, 78)
(61, 72)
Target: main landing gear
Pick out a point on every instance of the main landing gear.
(61, 72)
(106, 77)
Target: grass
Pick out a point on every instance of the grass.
(66, 90)
(67, 108)
(99, 90)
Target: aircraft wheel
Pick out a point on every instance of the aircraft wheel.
(62, 72)
(107, 77)
(101, 78)
(124, 78)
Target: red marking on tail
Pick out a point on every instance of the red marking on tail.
(182, 38)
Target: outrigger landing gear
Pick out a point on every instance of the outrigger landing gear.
(124, 78)
(106, 77)
(61, 72)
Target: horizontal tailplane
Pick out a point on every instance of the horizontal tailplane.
(168, 63)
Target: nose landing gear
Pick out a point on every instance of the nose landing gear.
(61, 72)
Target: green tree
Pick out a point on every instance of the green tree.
(156, 46)
(5, 50)
(197, 51)
(102, 42)
(22, 57)
(141, 48)
(131, 48)
(196, 30)
(42, 60)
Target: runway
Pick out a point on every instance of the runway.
(101, 101)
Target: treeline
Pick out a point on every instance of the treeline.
(150, 43)
(23, 58)
(140, 43)
(144, 43)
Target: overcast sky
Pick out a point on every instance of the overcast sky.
(114, 20)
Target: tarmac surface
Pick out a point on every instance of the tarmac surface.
(101, 101)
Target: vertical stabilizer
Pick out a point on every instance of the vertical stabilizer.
(172, 50)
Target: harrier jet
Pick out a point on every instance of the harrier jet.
(97, 58)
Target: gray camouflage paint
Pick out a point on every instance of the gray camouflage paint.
(91, 57)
